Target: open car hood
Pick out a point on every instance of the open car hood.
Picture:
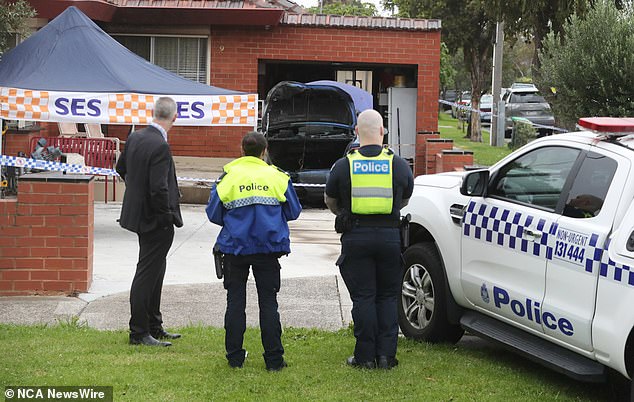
(290, 103)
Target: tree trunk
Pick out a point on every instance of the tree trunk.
(477, 80)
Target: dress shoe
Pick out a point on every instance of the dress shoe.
(386, 362)
(148, 340)
(352, 361)
(278, 368)
(162, 334)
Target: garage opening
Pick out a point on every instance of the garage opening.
(393, 88)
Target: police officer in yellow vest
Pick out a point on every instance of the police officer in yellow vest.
(367, 189)
(253, 202)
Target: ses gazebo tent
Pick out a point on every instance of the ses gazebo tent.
(71, 70)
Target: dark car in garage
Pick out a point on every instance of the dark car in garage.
(308, 127)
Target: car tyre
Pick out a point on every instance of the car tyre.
(422, 312)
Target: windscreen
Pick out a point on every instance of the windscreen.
(527, 97)
(311, 106)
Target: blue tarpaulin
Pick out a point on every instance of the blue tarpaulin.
(72, 53)
(362, 99)
(71, 70)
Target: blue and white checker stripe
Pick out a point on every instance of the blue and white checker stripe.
(609, 269)
(30, 163)
(500, 226)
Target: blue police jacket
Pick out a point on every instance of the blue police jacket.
(255, 228)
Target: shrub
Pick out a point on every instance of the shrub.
(523, 133)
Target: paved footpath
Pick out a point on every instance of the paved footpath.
(312, 294)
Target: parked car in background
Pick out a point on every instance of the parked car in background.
(463, 100)
(450, 95)
(486, 106)
(308, 127)
(518, 85)
(526, 102)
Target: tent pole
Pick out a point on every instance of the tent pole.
(2, 168)
(255, 124)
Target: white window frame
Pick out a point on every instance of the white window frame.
(152, 48)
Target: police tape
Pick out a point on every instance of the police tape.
(458, 106)
(30, 163)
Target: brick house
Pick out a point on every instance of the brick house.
(251, 45)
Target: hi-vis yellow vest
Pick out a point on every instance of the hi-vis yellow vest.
(371, 180)
(249, 181)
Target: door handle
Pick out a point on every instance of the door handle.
(534, 234)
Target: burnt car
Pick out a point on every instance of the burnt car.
(308, 127)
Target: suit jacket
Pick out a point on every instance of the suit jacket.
(151, 195)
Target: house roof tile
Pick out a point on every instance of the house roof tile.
(322, 20)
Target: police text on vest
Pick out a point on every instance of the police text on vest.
(371, 167)
(252, 187)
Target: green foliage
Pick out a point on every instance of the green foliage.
(355, 7)
(13, 17)
(523, 133)
(483, 153)
(517, 61)
(195, 368)
(534, 19)
(461, 77)
(467, 25)
(447, 70)
(71, 321)
(593, 70)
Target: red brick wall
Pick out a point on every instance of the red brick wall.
(434, 147)
(453, 160)
(46, 238)
(18, 141)
(420, 167)
(235, 52)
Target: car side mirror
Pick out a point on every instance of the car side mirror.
(475, 183)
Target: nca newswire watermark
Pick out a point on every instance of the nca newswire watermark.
(60, 393)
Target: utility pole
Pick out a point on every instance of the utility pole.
(495, 139)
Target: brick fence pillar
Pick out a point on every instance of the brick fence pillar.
(453, 160)
(46, 235)
(421, 146)
(435, 146)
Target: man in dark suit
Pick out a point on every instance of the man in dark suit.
(151, 210)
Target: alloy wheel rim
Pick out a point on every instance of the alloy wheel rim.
(417, 296)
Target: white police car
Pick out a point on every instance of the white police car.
(536, 252)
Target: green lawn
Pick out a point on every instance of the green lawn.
(483, 153)
(195, 368)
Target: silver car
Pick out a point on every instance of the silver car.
(526, 102)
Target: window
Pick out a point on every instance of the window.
(357, 78)
(527, 97)
(590, 187)
(536, 178)
(184, 56)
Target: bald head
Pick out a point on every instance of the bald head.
(370, 128)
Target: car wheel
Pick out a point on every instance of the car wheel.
(422, 312)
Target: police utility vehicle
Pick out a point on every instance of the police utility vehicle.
(536, 252)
